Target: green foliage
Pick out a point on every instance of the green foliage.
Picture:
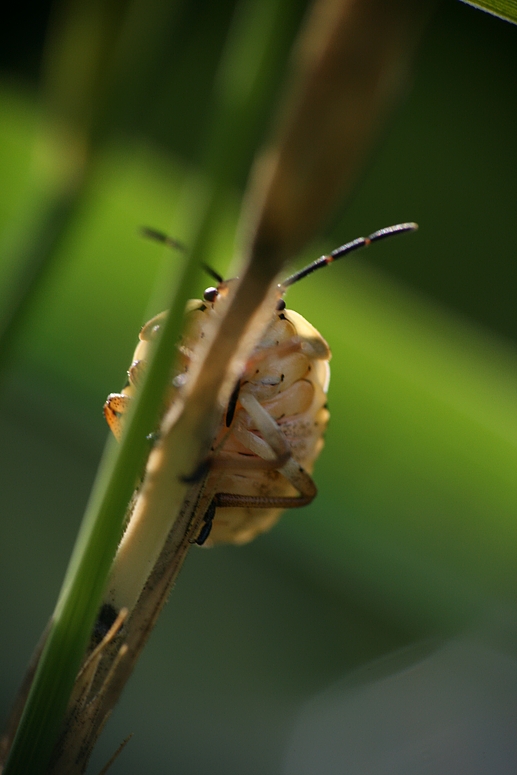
(505, 9)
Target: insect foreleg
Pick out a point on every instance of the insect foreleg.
(272, 451)
(294, 473)
(274, 444)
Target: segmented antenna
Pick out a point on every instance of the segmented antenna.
(160, 236)
(349, 247)
(213, 274)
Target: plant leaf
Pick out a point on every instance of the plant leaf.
(504, 9)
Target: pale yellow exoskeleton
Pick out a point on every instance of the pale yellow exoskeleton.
(271, 434)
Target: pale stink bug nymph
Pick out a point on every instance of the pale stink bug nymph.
(272, 430)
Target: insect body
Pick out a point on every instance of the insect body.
(272, 430)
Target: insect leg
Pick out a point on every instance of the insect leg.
(274, 444)
(278, 446)
(294, 473)
(272, 455)
(273, 447)
(272, 451)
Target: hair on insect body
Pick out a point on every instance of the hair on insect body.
(271, 433)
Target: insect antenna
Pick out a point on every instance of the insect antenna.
(349, 247)
(213, 274)
(160, 236)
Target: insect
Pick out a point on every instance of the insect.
(271, 433)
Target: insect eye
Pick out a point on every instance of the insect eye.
(280, 305)
(211, 294)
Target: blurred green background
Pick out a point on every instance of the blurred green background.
(413, 534)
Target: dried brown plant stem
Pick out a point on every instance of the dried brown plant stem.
(349, 68)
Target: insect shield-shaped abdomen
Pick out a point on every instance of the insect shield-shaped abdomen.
(272, 431)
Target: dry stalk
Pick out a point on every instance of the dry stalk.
(349, 68)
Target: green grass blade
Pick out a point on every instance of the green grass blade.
(504, 9)
(100, 533)
(96, 544)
